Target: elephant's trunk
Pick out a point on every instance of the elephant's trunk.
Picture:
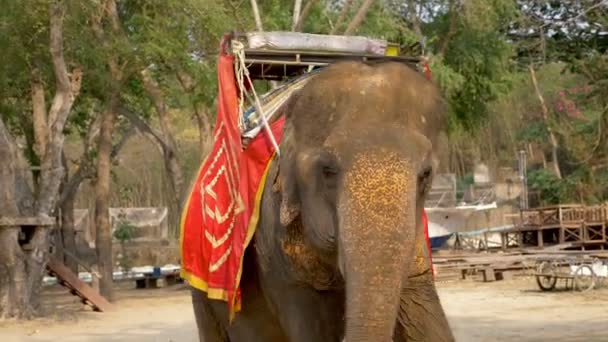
(377, 230)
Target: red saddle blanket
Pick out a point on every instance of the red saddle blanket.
(222, 209)
(223, 206)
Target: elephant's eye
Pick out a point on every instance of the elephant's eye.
(426, 173)
(328, 165)
(424, 180)
(329, 171)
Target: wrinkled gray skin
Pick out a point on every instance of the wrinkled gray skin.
(339, 253)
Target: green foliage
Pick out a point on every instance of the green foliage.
(551, 189)
(534, 132)
(479, 54)
(447, 78)
(384, 23)
(124, 231)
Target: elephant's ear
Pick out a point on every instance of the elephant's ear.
(286, 179)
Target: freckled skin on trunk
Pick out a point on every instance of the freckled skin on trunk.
(375, 195)
(421, 317)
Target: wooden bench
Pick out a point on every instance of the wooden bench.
(490, 272)
(151, 279)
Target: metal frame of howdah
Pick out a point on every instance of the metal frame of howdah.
(278, 64)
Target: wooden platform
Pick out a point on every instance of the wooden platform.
(583, 226)
(76, 286)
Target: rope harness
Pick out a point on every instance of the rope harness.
(241, 69)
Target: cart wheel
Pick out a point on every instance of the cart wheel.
(584, 278)
(546, 282)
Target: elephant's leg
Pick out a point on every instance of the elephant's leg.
(209, 327)
(255, 322)
(307, 315)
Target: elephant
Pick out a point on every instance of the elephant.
(339, 253)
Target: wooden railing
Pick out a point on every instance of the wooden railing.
(555, 216)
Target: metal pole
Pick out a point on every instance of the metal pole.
(523, 177)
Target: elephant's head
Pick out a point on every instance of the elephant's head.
(356, 161)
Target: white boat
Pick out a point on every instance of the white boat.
(444, 222)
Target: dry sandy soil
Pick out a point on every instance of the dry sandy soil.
(502, 311)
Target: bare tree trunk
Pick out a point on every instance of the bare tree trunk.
(305, 12)
(24, 261)
(51, 168)
(204, 129)
(297, 7)
(453, 16)
(169, 155)
(14, 295)
(166, 140)
(57, 234)
(103, 236)
(359, 17)
(85, 170)
(103, 227)
(68, 230)
(545, 111)
(342, 16)
(256, 15)
(413, 17)
(39, 119)
(202, 118)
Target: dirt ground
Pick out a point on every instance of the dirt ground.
(502, 311)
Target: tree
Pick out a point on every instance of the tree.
(116, 65)
(25, 252)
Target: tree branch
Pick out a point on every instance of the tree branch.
(297, 7)
(445, 42)
(204, 127)
(256, 15)
(39, 119)
(56, 48)
(342, 16)
(122, 142)
(545, 111)
(359, 17)
(143, 126)
(305, 12)
(67, 90)
(86, 168)
(156, 94)
(185, 80)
